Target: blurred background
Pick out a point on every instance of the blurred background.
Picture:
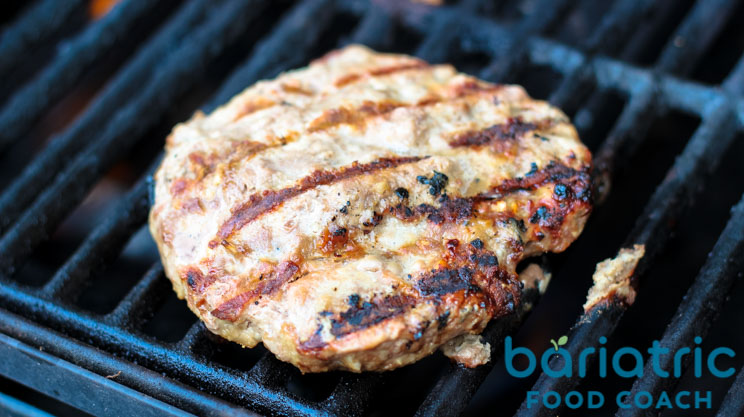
(661, 42)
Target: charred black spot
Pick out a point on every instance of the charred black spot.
(442, 320)
(451, 210)
(509, 301)
(374, 221)
(339, 232)
(353, 300)
(477, 243)
(484, 260)
(191, 278)
(315, 342)
(447, 281)
(519, 224)
(361, 315)
(560, 192)
(532, 171)
(343, 210)
(542, 213)
(401, 192)
(436, 183)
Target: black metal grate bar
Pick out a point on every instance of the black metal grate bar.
(437, 43)
(270, 371)
(101, 393)
(63, 147)
(140, 301)
(545, 15)
(300, 28)
(699, 307)
(353, 394)
(694, 35)
(624, 139)
(101, 246)
(733, 403)
(196, 333)
(73, 58)
(129, 374)
(182, 68)
(735, 80)
(235, 386)
(614, 28)
(375, 29)
(37, 25)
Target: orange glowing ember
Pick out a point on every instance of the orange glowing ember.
(98, 8)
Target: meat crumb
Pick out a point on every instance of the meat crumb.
(612, 277)
(468, 350)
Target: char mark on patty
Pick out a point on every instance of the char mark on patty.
(374, 72)
(450, 210)
(514, 128)
(231, 309)
(259, 204)
(363, 314)
(578, 181)
(446, 281)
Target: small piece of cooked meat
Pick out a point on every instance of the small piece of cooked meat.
(359, 213)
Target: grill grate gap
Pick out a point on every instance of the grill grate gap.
(647, 42)
(229, 354)
(538, 80)
(171, 321)
(407, 387)
(58, 118)
(313, 387)
(469, 62)
(580, 22)
(595, 119)
(107, 287)
(406, 38)
(724, 52)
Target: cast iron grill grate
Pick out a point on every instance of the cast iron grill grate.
(583, 58)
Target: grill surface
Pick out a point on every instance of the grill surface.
(656, 90)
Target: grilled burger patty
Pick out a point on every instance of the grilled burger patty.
(361, 212)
